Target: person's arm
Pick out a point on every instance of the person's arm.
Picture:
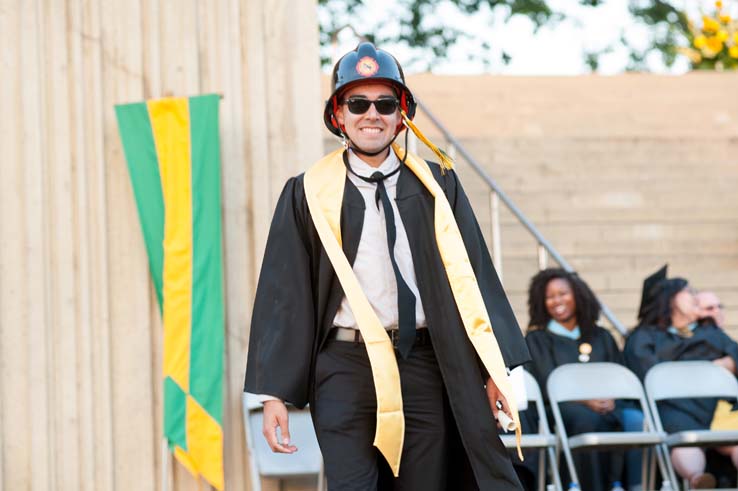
(504, 324)
(266, 398)
(277, 416)
(498, 402)
(283, 320)
(730, 360)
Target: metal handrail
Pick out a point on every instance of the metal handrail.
(544, 246)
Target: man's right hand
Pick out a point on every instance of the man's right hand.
(275, 415)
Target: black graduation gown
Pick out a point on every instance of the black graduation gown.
(549, 351)
(649, 345)
(298, 295)
(596, 470)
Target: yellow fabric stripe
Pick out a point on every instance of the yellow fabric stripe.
(170, 124)
(205, 443)
(464, 285)
(186, 460)
(324, 184)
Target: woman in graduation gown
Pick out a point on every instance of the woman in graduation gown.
(562, 329)
(668, 331)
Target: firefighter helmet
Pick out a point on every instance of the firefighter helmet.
(366, 64)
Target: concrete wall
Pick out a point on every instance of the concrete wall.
(80, 333)
(621, 174)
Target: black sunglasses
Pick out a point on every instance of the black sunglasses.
(385, 105)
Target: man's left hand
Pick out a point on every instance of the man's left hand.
(494, 395)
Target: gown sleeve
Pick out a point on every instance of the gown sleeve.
(731, 349)
(640, 352)
(283, 319)
(729, 345)
(504, 325)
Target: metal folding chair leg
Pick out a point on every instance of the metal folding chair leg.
(322, 484)
(541, 470)
(553, 468)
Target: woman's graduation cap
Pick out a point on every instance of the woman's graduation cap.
(651, 289)
(656, 296)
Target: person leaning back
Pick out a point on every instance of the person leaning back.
(378, 305)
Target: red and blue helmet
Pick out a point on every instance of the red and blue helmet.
(366, 64)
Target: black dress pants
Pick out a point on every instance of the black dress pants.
(344, 412)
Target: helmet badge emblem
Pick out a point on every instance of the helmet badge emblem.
(367, 66)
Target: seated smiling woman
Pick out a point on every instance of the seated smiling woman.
(563, 329)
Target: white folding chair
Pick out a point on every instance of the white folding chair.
(544, 440)
(583, 381)
(695, 380)
(306, 462)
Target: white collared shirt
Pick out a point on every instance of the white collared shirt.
(372, 266)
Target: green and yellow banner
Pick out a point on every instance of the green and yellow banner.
(173, 154)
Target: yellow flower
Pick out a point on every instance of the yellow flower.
(693, 55)
(722, 35)
(718, 4)
(733, 51)
(725, 19)
(700, 42)
(735, 37)
(709, 24)
(714, 44)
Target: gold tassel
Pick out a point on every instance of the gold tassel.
(446, 162)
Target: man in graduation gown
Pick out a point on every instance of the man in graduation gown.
(379, 306)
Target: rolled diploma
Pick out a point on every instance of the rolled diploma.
(505, 421)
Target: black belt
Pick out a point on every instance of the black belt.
(422, 337)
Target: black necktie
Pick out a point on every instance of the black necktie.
(405, 297)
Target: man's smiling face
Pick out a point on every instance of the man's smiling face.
(370, 131)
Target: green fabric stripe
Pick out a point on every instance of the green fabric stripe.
(175, 412)
(138, 145)
(206, 342)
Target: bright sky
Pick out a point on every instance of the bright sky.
(554, 50)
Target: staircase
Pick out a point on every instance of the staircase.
(545, 251)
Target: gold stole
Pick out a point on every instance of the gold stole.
(324, 186)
